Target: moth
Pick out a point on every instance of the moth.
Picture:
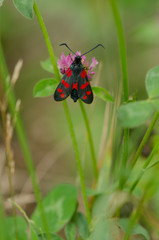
(75, 81)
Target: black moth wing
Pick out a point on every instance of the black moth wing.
(64, 88)
(84, 89)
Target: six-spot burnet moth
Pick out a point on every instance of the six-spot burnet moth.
(75, 81)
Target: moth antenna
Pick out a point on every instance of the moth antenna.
(71, 57)
(67, 47)
(93, 49)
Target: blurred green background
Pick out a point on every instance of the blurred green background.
(82, 25)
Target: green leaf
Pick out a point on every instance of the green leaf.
(93, 192)
(155, 103)
(70, 231)
(134, 114)
(45, 87)
(104, 229)
(82, 225)
(152, 82)
(47, 65)
(102, 94)
(21, 228)
(25, 7)
(137, 228)
(59, 206)
(152, 165)
(53, 237)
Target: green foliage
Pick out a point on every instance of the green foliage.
(53, 237)
(16, 227)
(102, 94)
(45, 87)
(47, 65)
(70, 231)
(82, 225)
(134, 114)
(104, 229)
(25, 7)
(59, 206)
(136, 229)
(155, 103)
(152, 82)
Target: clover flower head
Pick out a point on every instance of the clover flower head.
(65, 62)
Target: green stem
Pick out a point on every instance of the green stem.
(122, 50)
(21, 134)
(144, 140)
(135, 216)
(47, 40)
(123, 174)
(94, 161)
(57, 75)
(144, 167)
(126, 140)
(79, 165)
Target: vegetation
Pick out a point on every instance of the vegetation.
(112, 196)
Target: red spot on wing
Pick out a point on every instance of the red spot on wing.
(62, 95)
(65, 83)
(84, 85)
(85, 97)
(59, 90)
(83, 73)
(74, 85)
(69, 72)
(88, 93)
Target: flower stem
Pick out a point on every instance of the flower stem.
(135, 216)
(94, 161)
(57, 75)
(123, 173)
(144, 140)
(79, 165)
(122, 49)
(47, 40)
(144, 167)
(21, 134)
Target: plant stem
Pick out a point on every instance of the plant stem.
(122, 47)
(144, 140)
(135, 216)
(79, 165)
(94, 161)
(57, 75)
(144, 167)
(47, 40)
(21, 134)
(123, 173)
(122, 50)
